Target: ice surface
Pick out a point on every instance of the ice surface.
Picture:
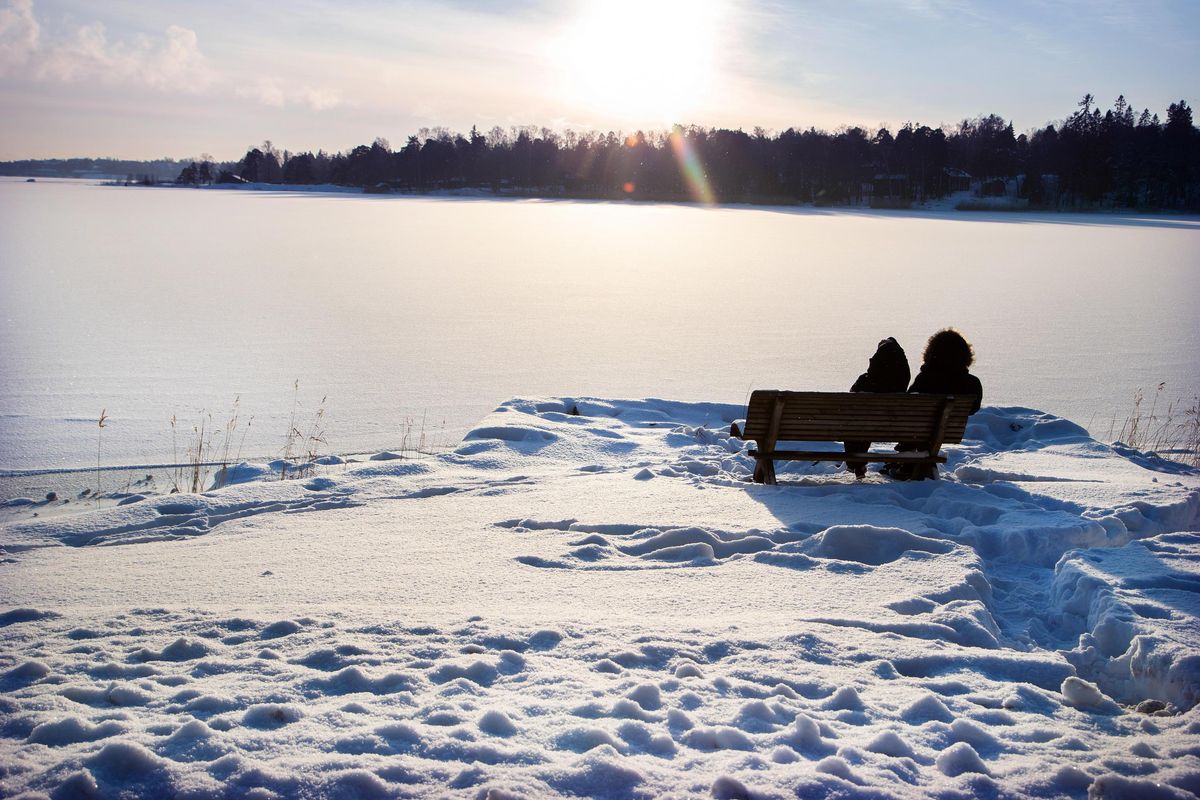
(529, 615)
(381, 304)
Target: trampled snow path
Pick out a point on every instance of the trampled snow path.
(602, 605)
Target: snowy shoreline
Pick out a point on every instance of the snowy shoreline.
(603, 605)
(979, 207)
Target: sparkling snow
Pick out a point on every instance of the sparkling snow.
(601, 604)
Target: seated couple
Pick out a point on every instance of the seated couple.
(943, 371)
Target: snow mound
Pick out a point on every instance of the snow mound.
(16, 615)
(1087, 696)
(271, 715)
(71, 730)
(182, 649)
(960, 758)
(866, 544)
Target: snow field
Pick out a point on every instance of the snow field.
(387, 709)
(600, 604)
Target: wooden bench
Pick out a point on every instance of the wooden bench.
(925, 420)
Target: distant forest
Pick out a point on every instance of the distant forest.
(1118, 158)
(110, 168)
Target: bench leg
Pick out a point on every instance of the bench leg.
(760, 470)
(767, 445)
(764, 471)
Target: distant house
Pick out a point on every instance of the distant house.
(891, 186)
(995, 187)
(887, 191)
(957, 180)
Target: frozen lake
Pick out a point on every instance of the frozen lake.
(157, 302)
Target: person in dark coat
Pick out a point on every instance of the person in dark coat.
(886, 372)
(944, 370)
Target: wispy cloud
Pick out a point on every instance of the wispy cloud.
(275, 93)
(173, 62)
(19, 35)
(170, 62)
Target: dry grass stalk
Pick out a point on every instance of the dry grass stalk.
(99, 440)
(306, 444)
(1172, 432)
(208, 446)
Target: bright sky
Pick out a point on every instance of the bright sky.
(133, 79)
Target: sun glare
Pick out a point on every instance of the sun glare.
(640, 63)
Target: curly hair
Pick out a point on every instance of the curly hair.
(949, 349)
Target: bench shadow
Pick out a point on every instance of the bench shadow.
(811, 502)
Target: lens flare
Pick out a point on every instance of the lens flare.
(691, 169)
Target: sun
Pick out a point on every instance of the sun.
(640, 63)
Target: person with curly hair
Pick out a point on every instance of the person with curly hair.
(944, 367)
(944, 370)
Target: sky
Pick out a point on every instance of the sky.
(130, 79)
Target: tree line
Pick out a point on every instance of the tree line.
(162, 169)
(1117, 157)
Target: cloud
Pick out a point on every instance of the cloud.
(263, 90)
(320, 99)
(172, 62)
(179, 60)
(272, 92)
(19, 34)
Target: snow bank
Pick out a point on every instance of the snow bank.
(1136, 611)
(589, 598)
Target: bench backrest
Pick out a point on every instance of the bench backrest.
(866, 416)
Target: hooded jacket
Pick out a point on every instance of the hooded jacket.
(888, 370)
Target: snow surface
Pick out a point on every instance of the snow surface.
(601, 604)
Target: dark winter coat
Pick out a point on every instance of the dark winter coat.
(888, 370)
(937, 379)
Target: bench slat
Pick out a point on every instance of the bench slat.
(920, 424)
(836, 431)
(926, 423)
(842, 417)
(827, 455)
